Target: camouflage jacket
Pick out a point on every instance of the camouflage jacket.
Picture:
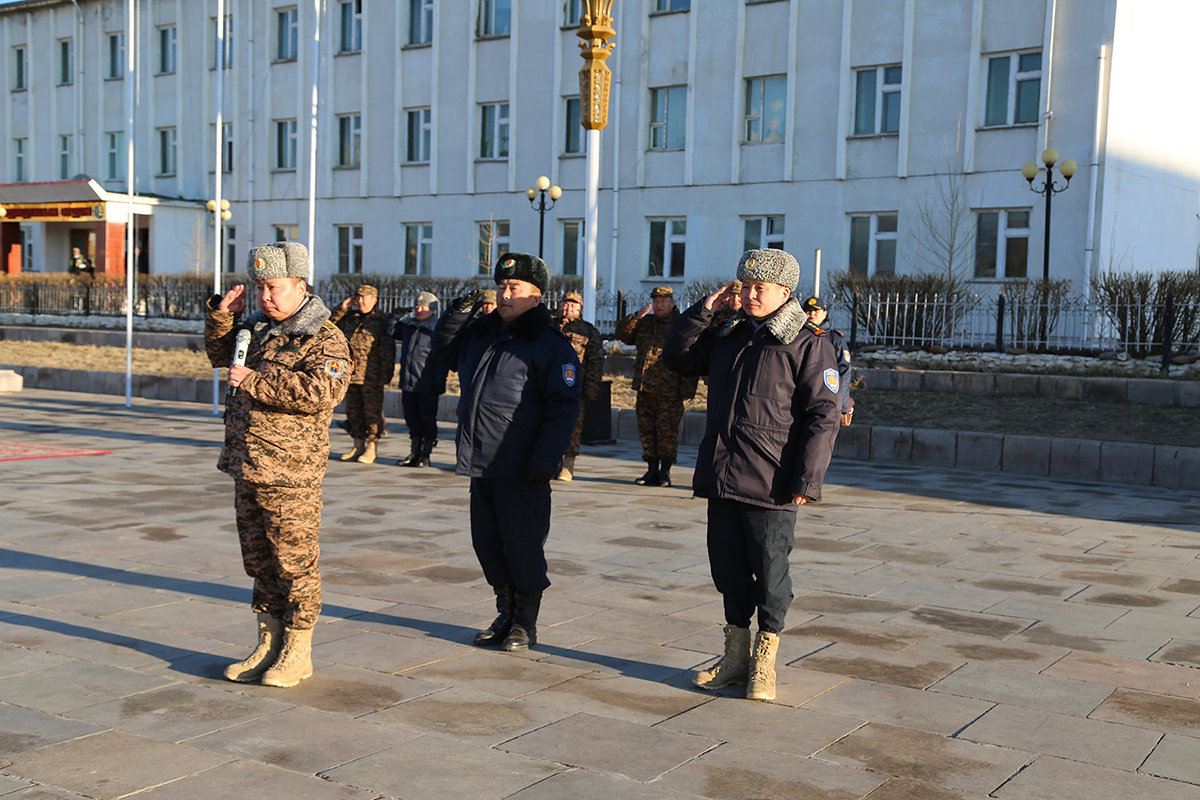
(373, 351)
(277, 424)
(650, 374)
(586, 341)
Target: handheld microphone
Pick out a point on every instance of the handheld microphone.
(241, 348)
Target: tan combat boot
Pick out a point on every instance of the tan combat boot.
(360, 447)
(367, 456)
(294, 663)
(762, 667)
(733, 667)
(566, 471)
(270, 640)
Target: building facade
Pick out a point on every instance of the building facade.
(839, 125)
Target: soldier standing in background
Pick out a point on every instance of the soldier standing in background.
(277, 420)
(661, 392)
(374, 355)
(586, 341)
(489, 302)
(422, 378)
(818, 314)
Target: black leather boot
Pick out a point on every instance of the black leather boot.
(664, 472)
(408, 460)
(524, 624)
(651, 476)
(423, 453)
(499, 629)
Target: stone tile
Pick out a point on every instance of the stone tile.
(176, 713)
(899, 669)
(634, 659)
(1028, 455)
(891, 444)
(579, 784)
(248, 781)
(1177, 467)
(89, 684)
(303, 740)
(728, 719)
(111, 764)
(1157, 602)
(1176, 758)
(1086, 740)
(1074, 459)
(639, 627)
(1152, 711)
(1001, 684)
(862, 633)
(865, 608)
(933, 448)
(979, 451)
(1050, 778)
(937, 760)
(1129, 674)
(385, 653)
(1123, 579)
(497, 673)
(22, 729)
(737, 772)
(899, 706)
(904, 789)
(476, 717)
(608, 745)
(1014, 654)
(617, 697)
(998, 627)
(15, 660)
(1179, 651)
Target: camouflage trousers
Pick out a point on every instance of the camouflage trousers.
(658, 418)
(278, 528)
(364, 410)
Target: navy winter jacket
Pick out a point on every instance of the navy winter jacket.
(419, 370)
(520, 391)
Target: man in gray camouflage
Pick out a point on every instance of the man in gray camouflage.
(277, 419)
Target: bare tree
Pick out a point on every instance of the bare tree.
(945, 234)
(489, 234)
(197, 251)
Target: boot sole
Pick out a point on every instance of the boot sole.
(281, 685)
(243, 677)
(712, 687)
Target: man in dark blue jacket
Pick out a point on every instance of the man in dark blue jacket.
(520, 381)
(422, 377)
(772, 418)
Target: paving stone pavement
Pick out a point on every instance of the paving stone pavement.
(954, 635)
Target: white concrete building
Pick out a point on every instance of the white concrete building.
(797, 123)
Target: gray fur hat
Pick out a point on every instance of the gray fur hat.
(426, 299)
(771, 265)
(278, 260)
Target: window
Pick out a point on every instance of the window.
(166, 50)
(420, 21)
(877, 100)
(19, 65)
(19, 161)
(349, 239)
(672, 5)
(766, 107)
(763, 232)
(493, 131)
(116, 55)
(287, 233)
(873, 244)
(287, 34)
(27, 250)
(66, 61)
(229, 257)
(571, 143)
(66, 156)
(571, 13)
(668, 247)
(227, 147)
(1002, 244)
(572, 246)
(668, 118)
(349, 140)
(418, 248)
(116, 155)
(1014, 86)
(420, 128)
(285, 144)
(351, 27)
(495, 17)
(166, 151)
(493, 240)
(223, 55)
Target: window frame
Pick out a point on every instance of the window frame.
(19, 161)
(572, 140)
(116, 152)
(20, 68)
(349, 141)
(874, 237)
(286, 132)
(670, 6)
(580, 226)
(767, 237)
(225, 58)
(420, 22)
(755, 115)
(418, 248)
(664, 125)
(671, 238)
(66, 155)
(168, 151)
(572, 13)
(350, 36)
(287, 33)
(168, 50)
(116, 56)
(419, 121)
(497, 245)
(881, 100)
(1004, 234)
(1016, 77)
(488, 26)
(500, 130)
(284, 230)
(66, 61)
(229, 257)
(351, 237)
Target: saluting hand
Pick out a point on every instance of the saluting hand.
(234, 300)
(645, 311)
(720, 298)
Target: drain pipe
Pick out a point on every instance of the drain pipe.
(80, 150)
(1094, 175)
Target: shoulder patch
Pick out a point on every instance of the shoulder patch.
(335, 367)
(830, 376)
(569, 374)
(327, 325)
(814, 328)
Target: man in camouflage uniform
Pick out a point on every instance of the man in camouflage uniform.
(277, 419)
(586, 341)
(660, 391)
(374, 354)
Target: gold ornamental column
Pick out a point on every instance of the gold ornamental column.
(595, 28)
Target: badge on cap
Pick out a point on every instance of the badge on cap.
(569, 374)
(509, 262)
(336, 368)
(258, 263)
(749, 263)
(831, 379)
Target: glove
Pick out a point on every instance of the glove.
(469, 302)
(847, 417)
(538, 476)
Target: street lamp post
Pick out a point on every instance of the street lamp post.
(538, 193)
(1049, 189)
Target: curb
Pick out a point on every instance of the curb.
(1122, 463)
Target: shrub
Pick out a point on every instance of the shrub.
(1135, 303)
(1033, 309)
(916, 309)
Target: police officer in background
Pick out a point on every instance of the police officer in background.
(818, 314)
(586, 340)
(520, 397)
(422, 378)
(772, 419)
(276, 447)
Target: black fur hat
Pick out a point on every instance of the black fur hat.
(523, 267)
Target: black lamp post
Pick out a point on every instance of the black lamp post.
(537, 200)
(1049, 189)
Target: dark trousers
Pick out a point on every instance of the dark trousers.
(748, 549)
(510, 520)
(420, 414)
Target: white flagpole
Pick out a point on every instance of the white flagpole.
(312, 147)
(130, 76)
(217, 210)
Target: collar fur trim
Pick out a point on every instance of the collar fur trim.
(307, 320)
(785, 324)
